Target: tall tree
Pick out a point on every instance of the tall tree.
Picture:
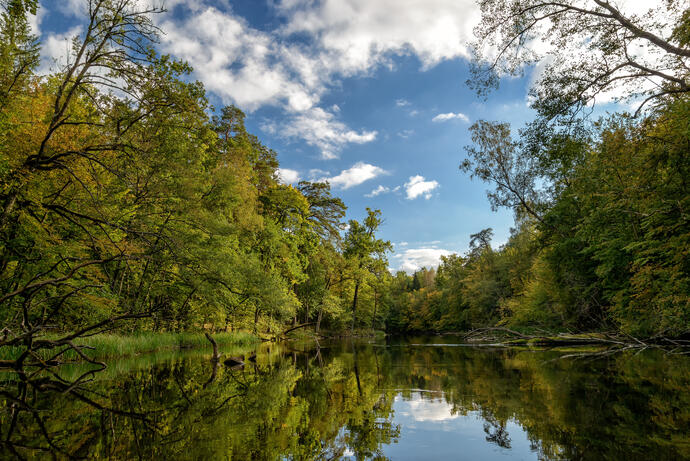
(365, 251)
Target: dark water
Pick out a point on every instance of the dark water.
(413, 400)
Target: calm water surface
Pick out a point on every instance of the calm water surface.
(421, 398)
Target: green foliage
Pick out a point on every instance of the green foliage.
(122, 198)
(601, 244)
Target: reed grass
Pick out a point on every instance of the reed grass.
(109, 345)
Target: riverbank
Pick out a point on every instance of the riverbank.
(307, 334)
(109, 345)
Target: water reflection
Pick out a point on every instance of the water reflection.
(357, 401)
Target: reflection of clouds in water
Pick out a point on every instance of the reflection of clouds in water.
(425, 409)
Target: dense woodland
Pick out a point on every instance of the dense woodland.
(127, 197)
(129, 202)
(602, 231)
(608, 250)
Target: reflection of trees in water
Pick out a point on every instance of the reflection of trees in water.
(283, 405)
(29, 427)
(496, 432)
(626, 406)
(323, 404)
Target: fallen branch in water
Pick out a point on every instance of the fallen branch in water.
(297, 327)
(580, 339)
(216, 356)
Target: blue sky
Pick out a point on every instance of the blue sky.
(370, 95)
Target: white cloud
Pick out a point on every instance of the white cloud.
(253, 68)
(426, 409)
(413, 259)
(405, 133)
(288, 176)
(234, 60)
(354, 176)
(35, 20)
(320, 129)
(361, 34)
(316, 174)
(378, 191)
(55, 49)
(450, 116)
(418, 186)
(402, 102)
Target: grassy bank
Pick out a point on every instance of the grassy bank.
(114, 345)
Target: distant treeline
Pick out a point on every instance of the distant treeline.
(608, 250)
(602, 206)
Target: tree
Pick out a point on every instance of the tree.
(498, 160)
(19, 50)
(325, 211)
(594, 50)
(365, 251)
(91, 194)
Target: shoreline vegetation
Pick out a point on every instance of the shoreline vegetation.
(110, 345)
(129, 203)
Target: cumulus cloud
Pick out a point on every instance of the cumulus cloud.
(56, 48)
(378, 191)
(413, 259)
(426, 409)
(320, 129)
(417, 186)
(253, 67)
(288, 176)
(450, 116)
(234, 60)
(315, 174)
(359, 173)
(362, 34)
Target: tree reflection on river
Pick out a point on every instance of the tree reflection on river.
(404, 400)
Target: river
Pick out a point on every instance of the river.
(407, 399)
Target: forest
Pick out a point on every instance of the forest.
(130, 204)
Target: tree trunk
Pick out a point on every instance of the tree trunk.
(373, 320)
(354, 307)
(318, 320)
(215, 357)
